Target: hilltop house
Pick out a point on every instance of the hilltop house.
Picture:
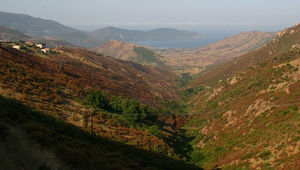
(17, 47)
(45, 50)
(40, 46)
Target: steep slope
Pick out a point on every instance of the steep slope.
(110, 33)
(33, 140)
(91, 70)
(281, 43)
(194, 60)
(251, 119)
(132, 97)
(7, 34)
(129, 52)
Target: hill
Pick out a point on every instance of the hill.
(195, 60)
(123, 101)
(32, 26)
(7, 34)
(111, 33)
(129, 52)
(34, 140)
(130, 79)
(250, 118)
(45, 29)
(277, 46)
(41, 28)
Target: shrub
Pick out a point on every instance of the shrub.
(98, 100)
(295, 108)
(184, 79)
(265, 155)
(154, 130)
(197, 155)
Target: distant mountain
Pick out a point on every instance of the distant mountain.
(110, 33)
(41, 28)
(32, 26)
(194, 60)
(129, 52)
(282, 42)
(8, 34)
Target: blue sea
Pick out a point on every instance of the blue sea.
(188, 43)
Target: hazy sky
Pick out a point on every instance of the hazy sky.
(192, 12)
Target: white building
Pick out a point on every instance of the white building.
(45, 50)
(17, 47)
(40, 46)
(29, 43)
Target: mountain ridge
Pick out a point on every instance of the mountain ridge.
(195, 60)
(109, 33)
(42, 28)
(130, 52)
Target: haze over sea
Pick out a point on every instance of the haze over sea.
(210, 33)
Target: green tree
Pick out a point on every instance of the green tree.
(97, 99)
(115, 104)
(133, 111)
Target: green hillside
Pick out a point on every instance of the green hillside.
(144, 55)
(251, 119)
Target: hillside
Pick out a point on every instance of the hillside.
(41, 28)
(7, 34)
(111, 33)
(146, 84)
(251, 119)
(34, 140)
(195, 60)
(281, 43)
(32, 26)
(122, 101)
(129, 52)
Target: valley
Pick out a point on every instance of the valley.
(76, 100)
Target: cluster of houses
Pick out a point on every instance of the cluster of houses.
(31, 44)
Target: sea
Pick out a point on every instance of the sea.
(186, 43)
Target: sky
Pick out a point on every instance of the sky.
(271, 14)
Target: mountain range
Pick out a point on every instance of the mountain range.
(186, 60)
(195, 60)
(110, 33)
(41, 28)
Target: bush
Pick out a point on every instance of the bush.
(98, 100)
(197, 156)
(184, 79)
(133, 111)
(154, 130)
(265, 155)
